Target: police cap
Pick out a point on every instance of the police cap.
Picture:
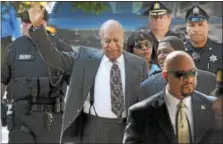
(218, 91)
(196, 14)
(157, 9)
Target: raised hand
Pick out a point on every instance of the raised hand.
(36, 14)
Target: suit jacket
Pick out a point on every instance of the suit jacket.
(149, 123)
(83, 66)
(205, 83)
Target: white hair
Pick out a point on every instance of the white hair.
(110, 23)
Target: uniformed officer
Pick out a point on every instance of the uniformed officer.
(35, 90)
(206, 53)
(159, 24)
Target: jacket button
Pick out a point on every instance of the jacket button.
(70, 121)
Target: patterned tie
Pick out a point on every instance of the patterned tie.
(183, 130)
(116, 90)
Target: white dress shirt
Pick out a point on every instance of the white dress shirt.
(102, 92)
(172, 103)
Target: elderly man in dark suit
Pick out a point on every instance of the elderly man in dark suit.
(178, 114)
(103, 84)
(205, 80)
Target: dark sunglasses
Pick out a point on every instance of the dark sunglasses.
(183, 74)
(139, 45)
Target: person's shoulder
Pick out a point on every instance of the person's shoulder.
(205, 73)
(134, 57)
(151, 80)
(19, 42)
(205, 98)
(146, 104)
(214, 42)
(215, 46)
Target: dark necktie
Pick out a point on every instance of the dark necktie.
(183, 130)
(117, 101)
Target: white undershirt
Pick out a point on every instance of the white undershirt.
(172, 103)
(102, 92)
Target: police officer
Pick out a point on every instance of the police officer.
(35, 90)
(206, 53)
(159, 23)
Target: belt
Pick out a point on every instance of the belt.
(119, 120)
(41, 108)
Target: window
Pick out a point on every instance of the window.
(119, 7)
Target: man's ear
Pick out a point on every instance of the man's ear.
(165, 75)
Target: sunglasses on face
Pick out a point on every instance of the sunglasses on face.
(183, 74)
(141, 45)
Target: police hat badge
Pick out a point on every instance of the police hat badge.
(156, 6)
(196, 10)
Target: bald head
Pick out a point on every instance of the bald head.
(111, 25)
(178, 60)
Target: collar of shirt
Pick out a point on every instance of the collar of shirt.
(172, 101)
(119, 60)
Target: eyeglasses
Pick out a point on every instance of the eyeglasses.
(183, 74)
(140, 44)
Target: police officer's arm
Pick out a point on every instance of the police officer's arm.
(6, 61)
(50, 53)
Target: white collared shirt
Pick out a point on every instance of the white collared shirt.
(102, 92)
(172, 103)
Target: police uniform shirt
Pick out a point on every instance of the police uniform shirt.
(207, 58)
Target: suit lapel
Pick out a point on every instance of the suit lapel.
(91, 68)
(130, 72)
(163, 118)
(199, 117)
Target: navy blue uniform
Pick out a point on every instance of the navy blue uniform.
(207, 58)
(37, 91)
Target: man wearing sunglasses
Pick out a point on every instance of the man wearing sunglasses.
(178, 114)
(156, 83)
(35, 91)
(206, 53)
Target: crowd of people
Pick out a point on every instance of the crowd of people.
(157, 90)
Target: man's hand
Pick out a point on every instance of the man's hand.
(36, 14)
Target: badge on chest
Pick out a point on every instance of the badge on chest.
(213, 58)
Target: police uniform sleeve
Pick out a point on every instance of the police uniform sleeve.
(6, 63)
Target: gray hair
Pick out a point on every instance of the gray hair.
(109, 23)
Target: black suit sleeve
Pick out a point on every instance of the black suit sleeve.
(134, 131)
(50, 53)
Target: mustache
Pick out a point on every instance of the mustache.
(194, 34)
(189, 83)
